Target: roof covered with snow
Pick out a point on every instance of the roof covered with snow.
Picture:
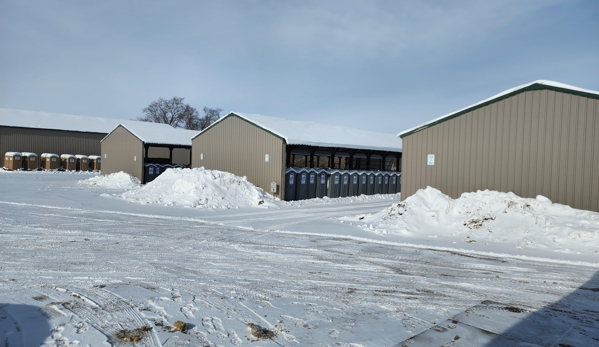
(58, 121)
(536, 85)
(156, 133)
(318, 134)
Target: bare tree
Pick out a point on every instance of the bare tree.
(211, 115)
(178, 114)
(172, 112)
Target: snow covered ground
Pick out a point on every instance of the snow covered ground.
(80, 264)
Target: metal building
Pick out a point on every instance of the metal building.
(130, 147)
(42, 132)
(541, 138)
(264, 148)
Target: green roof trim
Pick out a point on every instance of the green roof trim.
(535, 86)
(233, 114)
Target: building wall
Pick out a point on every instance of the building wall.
(15, 139)
(237, 146)
(180, 155)
(540, 142)
(121, 151)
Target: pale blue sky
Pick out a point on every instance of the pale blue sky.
(377, 65)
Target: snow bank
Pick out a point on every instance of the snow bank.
(200, 188)
(119, 180)
(490, 216)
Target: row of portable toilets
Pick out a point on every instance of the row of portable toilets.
(151, 171)
(51, 161)
(303, 184)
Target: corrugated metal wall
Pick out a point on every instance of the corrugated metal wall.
(14, 139)
(236, 146)
(121, 151)
(539, 142)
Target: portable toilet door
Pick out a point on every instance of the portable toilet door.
(290, 185)
(399, 183)
(321, 184)
(392, 183)
(353, 184)
(94, 162)
(370, 187)
(378, 183)
(334, 190)
(149, 173)
(385, 184)
(344, 185)
(301, 187)
(29, 161)
(362, 184)
(50, 161)
(312, 184)
(12, 161)
(82, 162)
(67, 162)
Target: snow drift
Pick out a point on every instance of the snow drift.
(118, 180)
(200, 188)
(490, 216)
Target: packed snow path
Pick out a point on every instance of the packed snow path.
(94, 271)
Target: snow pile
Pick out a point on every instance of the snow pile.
(490, 216)
(119, 180)
(200, 188)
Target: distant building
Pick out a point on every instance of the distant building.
(264, 148)
(42, 132)
(134, 146)
(541, 138)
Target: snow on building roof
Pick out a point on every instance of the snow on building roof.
(321, 135)
(156, 133)
(535, 85)
(58, 121)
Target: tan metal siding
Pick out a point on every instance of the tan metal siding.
(237, 146)
(121, 151)
(14, 139)
(538, 142)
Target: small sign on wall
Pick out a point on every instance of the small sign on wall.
(266, 158)
(430, 160)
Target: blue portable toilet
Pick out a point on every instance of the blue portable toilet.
(334, 185)
(290, 183)
(344, 185)
(322, 178)
(378, 183)
(312, 175)
(370, 186)
(301, 187)
(386, 181)
(362, 183)
(393, 183)
(354, 178)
